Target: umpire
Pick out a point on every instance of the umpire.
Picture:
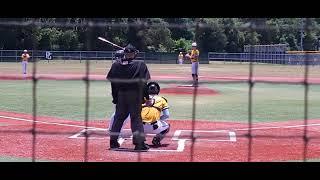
(128, 96)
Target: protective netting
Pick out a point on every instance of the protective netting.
(93, 28)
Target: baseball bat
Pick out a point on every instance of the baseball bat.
(103, 39)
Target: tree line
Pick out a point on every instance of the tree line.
(158, 34)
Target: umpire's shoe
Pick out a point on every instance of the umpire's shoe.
(114, 144)
(141, 147)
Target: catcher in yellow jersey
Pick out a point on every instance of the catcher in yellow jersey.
(155, 113)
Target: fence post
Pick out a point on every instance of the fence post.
(112, 57)
(16, 55)
(96, 56)
(80, 57)
(48, 57)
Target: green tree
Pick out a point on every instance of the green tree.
(68, 40)
(182, 44)
(118, 34)
(235, 38)
(311, 31)
(158, 36)
(180, 28)
(285, 31)
(48, 38)
(8, 38)
(211, 36)
(17, 37)
(135, 34)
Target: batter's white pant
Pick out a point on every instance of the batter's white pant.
(194, 67)
(24, 67)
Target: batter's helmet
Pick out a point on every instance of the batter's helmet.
(153, 88)
(119, 54)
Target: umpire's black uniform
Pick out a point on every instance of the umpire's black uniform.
(128, 96)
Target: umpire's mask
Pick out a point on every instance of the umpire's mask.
(129, 52)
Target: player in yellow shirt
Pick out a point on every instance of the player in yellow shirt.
(180, 58)
(194, 58)
(25, 58)
(155, 113)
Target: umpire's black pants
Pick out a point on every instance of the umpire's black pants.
(129, 102)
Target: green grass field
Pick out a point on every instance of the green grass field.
(214, 69)
(66, 99)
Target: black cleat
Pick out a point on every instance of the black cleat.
(114, 144)
(141, 147)
(156, 142)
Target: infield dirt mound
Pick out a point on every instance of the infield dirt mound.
(188, 89)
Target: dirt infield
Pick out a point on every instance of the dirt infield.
(188, 89)
(162, 78)
(64, 140)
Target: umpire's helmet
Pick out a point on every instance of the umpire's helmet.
(130, 52)
(129, 48)
(153, 88)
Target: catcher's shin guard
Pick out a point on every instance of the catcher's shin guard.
(156, 140)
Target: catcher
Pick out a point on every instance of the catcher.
(155, 113)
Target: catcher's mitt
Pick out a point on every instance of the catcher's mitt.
(187, 56)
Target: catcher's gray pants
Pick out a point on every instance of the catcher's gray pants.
(129, 102)
(194, 67)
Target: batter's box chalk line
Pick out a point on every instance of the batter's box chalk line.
(230, 136)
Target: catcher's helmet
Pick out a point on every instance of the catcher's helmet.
(153, 88)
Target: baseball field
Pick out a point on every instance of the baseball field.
(278, 119)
